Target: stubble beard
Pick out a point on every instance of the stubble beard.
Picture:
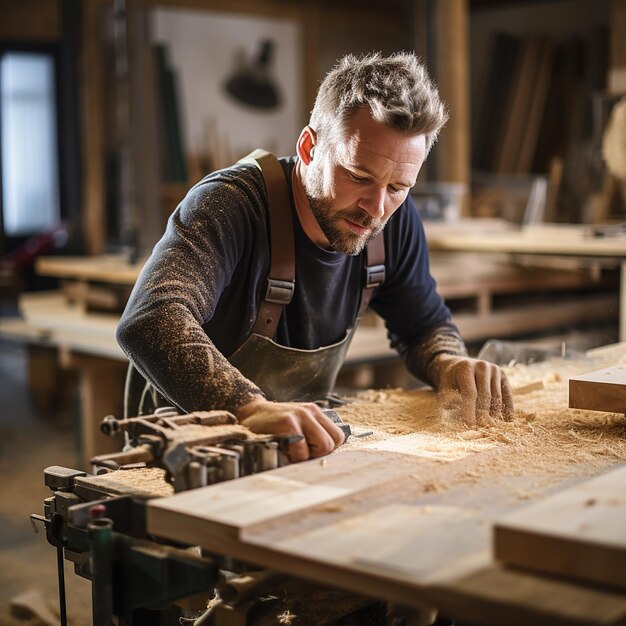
(329, 219)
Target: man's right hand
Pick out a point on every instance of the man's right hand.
(321, 434)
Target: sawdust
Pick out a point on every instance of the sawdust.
(545, 436)
(146, 482)
(287, 617)
(196, 433)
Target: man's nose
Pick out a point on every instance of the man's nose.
(374, 203)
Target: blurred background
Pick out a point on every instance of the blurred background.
(120, 105)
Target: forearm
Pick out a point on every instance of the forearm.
(423, 359)
(173, 353)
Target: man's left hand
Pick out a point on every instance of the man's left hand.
(474, 392)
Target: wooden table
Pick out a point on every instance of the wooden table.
(112, 269)
(545, 240)
(86, 343)
(475, 281)
(414, 529)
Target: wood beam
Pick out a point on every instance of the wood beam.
(30, 20)
(617, 59)
(94, 224)
(452, 72)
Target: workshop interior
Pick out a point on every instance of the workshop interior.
(120, 509)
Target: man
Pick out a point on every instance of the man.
(195, 322)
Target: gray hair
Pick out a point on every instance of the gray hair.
(397, 90)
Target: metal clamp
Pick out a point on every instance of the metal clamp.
(374, 276)
(279, 291)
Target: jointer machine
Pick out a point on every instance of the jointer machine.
(98, 522)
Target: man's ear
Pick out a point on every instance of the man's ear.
(305, 145)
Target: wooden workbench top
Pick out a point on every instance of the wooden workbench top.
(406, 515)
(543, 239)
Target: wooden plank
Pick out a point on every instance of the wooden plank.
(602, 390)
(518, 104)
(526, 319)
(618, 27)
(19, 330)
(93, 97)
(467, 275)
(143, 134)
(562, 240)
(452, 152)
(356, 522)
(69, 327)
(537, 105)
(103, 268)
(237, 505)
(579, 533)
(505, 50)
(332, 501)
(494, 596)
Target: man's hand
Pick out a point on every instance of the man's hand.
(321, 434)
(473, 392)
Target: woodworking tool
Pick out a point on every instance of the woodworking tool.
(98, 522)
(197, 449)
(200, 448)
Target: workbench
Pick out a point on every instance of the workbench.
(408, 517)
(552, 240)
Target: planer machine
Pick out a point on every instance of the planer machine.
(97, 522)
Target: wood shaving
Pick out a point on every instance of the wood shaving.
(147, 482)
(545, 437)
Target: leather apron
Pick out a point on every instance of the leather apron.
(282, 373)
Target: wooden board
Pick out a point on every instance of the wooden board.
(544, 239)
(362, 521)
(579, 533)
(353, 525)
(103, 268)
(602, 390)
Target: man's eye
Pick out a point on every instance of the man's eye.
(358, 179)
(396, 190)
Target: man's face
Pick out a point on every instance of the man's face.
(354, 186)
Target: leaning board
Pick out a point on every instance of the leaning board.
(579, 533)
(602, 390)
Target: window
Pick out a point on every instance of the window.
(30, 167)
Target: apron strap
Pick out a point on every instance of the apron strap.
(373, 271)
(281, 280)
(282, 275)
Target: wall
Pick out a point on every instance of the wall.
(203, 50)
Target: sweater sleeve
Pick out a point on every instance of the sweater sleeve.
(178, 289)
(420, 357)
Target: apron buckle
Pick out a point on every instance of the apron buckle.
(279, 291)
(374, 275)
